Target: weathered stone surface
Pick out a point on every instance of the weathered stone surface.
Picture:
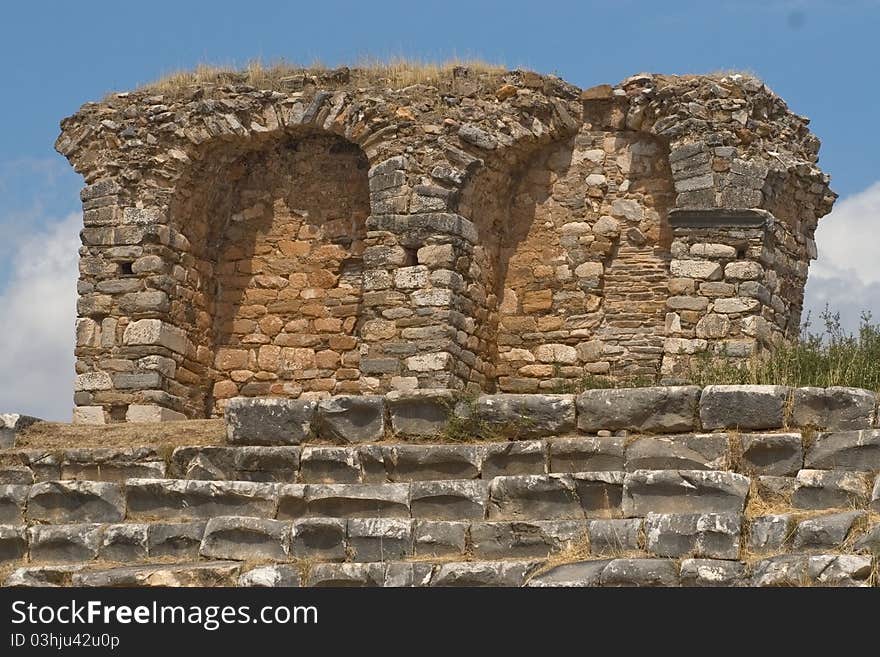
(497, 540)
(449, 500)
(483, 573)
(380, 539)
(585, 454)
(828, 531)
(534, 497)
(13, 542)
(427, 462)
(125, 542)
(875, 495)
(514, 458)
(276, 575)
(439, 538)
(12, 503)
(829, 489)
(112, 464)
(178, 499)
(269, 421)
(201, 574)
(712, 572)
(802, 569)
(244, 463)
(178, 540)
(408, 574)
(246, 539)
(778, 454)
(683, 491)
(614, 536)
(576, 574)
(419, 412)
(599, 493)
(16, 475)
(640, 572)
(65, 543)
(11, 424)
(769, 533)
(359, 500)
(743, 407)
(835, 408)
(846, 450)
(351, 419)
(346, 574)
(292, 501)
(661, 409)
(710, 535)
(526, 416)
(329, 465)
(869, 542)
(43, 576)
(319, 538)
(75, 501)
(685, 452)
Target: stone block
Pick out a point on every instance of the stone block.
(707, 451)
(440, 538)
(272, 576)
(614, 536)
(500, 540)
(11, 424)
(514, 458)
(526, 416)
(202, 574)
(419, 412)
(577, 574)
(12, 503)
(683, 491)
(180, 541)
(709, 535)
(483, 573)
(450, 499)
(661, 409)
(769, 533)
(13, 543)
(67, 543)
(712, 572)
(743, 407)
(835, 408)
(534, 497)
(329, 465)
(358, 500)
(346, 574)
(825, 532)
(640, 572)
(351, 418)
(599, 493)
(75, 501)
(803, 569)
(846, 450)
(380, 539)
(269, 421)
(125, 542)
(319, 538)
(246, 539)
(427, 462)
(829, 489)
(777, 454)
(178, 499)
(586, 454)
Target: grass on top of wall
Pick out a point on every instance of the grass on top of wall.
(829, 357)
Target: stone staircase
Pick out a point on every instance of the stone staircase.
(639, 487)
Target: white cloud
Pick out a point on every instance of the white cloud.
(846, 275)
(37, 314)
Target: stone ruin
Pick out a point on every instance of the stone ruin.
(498, 232)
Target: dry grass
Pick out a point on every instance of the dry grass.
(59, 435)
(396, 73)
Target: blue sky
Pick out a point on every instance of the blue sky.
(821, 56)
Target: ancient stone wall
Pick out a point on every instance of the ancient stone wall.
(492, 232)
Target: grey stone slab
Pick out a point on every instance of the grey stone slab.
(712, 572)
(330, 465)
(777, 454)
(534, 497)
(803, 569)
(540, 538)
(708, 535)
(380, 539)
(640, 572)
(845, 450)
(514, 458)
(660, 409)
(869, 541)
(483, 573)
(576, 574)
(69, 543)
(372, 459)
(403, 574)
(835, 408)
(825, 532)
(599, 493)
(684, 452)
(126, 542)
(440, 538)
(613, 536)
(770, 533)
(246, 539)
(179, 499)
(346, 575)
(319, 538)
(12, 503)
(743, 407)
(430, 462)
(683, 491)
(358, 500)
(241, 463)
(277, 575)
(269, 420)
(829, 489)
(178, 540)
(522, 417)
(351, 418)
(449, 500)
(12, 424)
(43, 576)
(419, 412)
(201, 574)
(114, 464)
(292, 502)
(16, 475)
(76, 501)
(13, 542)
(586, 454)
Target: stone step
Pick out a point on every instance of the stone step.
(838, 570)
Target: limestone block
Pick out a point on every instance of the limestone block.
(246, 539)
(449, 500)
(640, 572)
(743, 407)
(346, 574)
(846, 450)
(126, 542)
(179, 499)
(419, 412)
(802, 569)
(426, 462)
(269, 421)
(599, 493)
(89, 415)
(329, 465)
(769, 533)
(152, 413)
(712, 572)
(586, 454)
(358, 500)
(155, 332)
(499, 540)
(685, 452)
(514, 458)
(75, 501)
(683, 491)
(65, 543)
(11, 424)
(835, 408)
(709, 535)
(351, 418)
(13, 542)
(700, 269)
(526, 416)
(779, 454)
(829, 489)
(440, 538)
(272, 576)
(178, 540)
(483, 573)
(660, 409)
(534, 497)
(613, 536)
(577, 574)
(319, 538)
(380, 539)
(821, 532)
(202, 574)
